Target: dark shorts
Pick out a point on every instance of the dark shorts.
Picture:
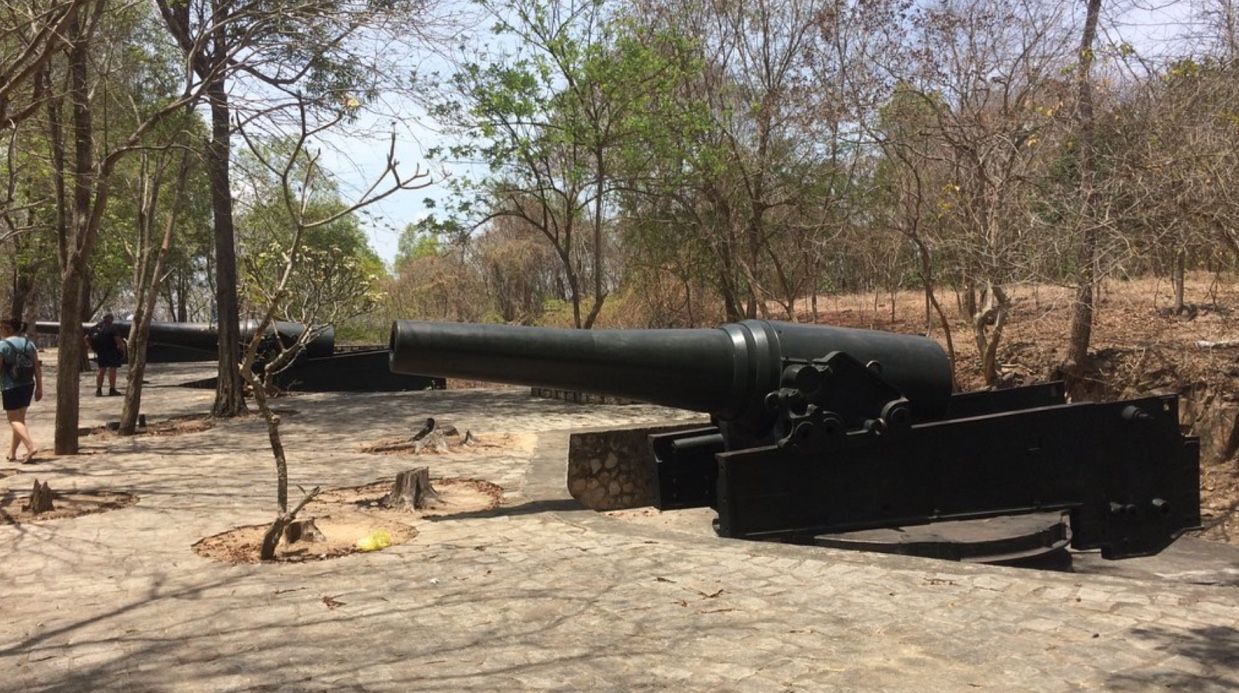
(18, 397)
(110, 359)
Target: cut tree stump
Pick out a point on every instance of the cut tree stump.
(411, 490)
(40, 499)
(302, 530)
(436, 441)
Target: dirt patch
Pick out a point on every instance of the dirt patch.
(352, 515)
(173, 426)
(180, 425)
(66, 505)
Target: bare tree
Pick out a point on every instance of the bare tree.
(988, 71)
(313, 287)
(150, 259)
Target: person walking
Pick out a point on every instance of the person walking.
(21, 377)
(109, 347)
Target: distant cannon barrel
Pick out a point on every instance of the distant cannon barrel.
(204, 337)
(726, 371)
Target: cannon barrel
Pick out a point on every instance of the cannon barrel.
(203, 336)
(726, 371)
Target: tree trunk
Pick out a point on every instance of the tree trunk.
(302, 530)
(271, 539)
(182, 303)
(76, 252)
(931, 300)
(929, 322)
(1082, 317)
(411, 490)
(229, 394)
(275, 532)
(731, 303)
(599, 295)
(140, 330)
(23, 287)
(970, 297)
(1179, 278)
(40, 499)
(85, 313)
(69, 363)
(995, 312)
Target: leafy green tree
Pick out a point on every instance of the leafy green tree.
(736, 147)
(106, 122)
(550, 121)
(416, 243)
(266, 223)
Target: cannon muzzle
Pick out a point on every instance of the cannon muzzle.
(726, 371)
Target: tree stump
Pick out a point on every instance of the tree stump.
(411, 490)
(40, 499)
(436, 441)
(302, 530)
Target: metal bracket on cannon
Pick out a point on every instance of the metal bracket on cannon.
(822, 402)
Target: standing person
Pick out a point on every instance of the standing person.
(109, 347)
(22, 378)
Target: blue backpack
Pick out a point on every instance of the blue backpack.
(22, 368)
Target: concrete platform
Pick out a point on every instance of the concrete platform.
(539, 594)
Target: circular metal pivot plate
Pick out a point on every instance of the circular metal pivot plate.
(1008, 539)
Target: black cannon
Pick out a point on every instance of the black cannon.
(199, 341)
(320, 367)
(817, 430)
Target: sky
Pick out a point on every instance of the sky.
(357, 154)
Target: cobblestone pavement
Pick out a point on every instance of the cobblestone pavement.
(534, 595)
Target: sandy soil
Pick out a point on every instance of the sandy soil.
(347, 516)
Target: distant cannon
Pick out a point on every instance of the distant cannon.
(819, 430)
(199, 341)
(319, 367)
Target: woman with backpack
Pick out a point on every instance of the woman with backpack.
(21, 378)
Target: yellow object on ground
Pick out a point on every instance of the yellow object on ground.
(378, 539)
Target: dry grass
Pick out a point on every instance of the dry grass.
(1132, 316)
